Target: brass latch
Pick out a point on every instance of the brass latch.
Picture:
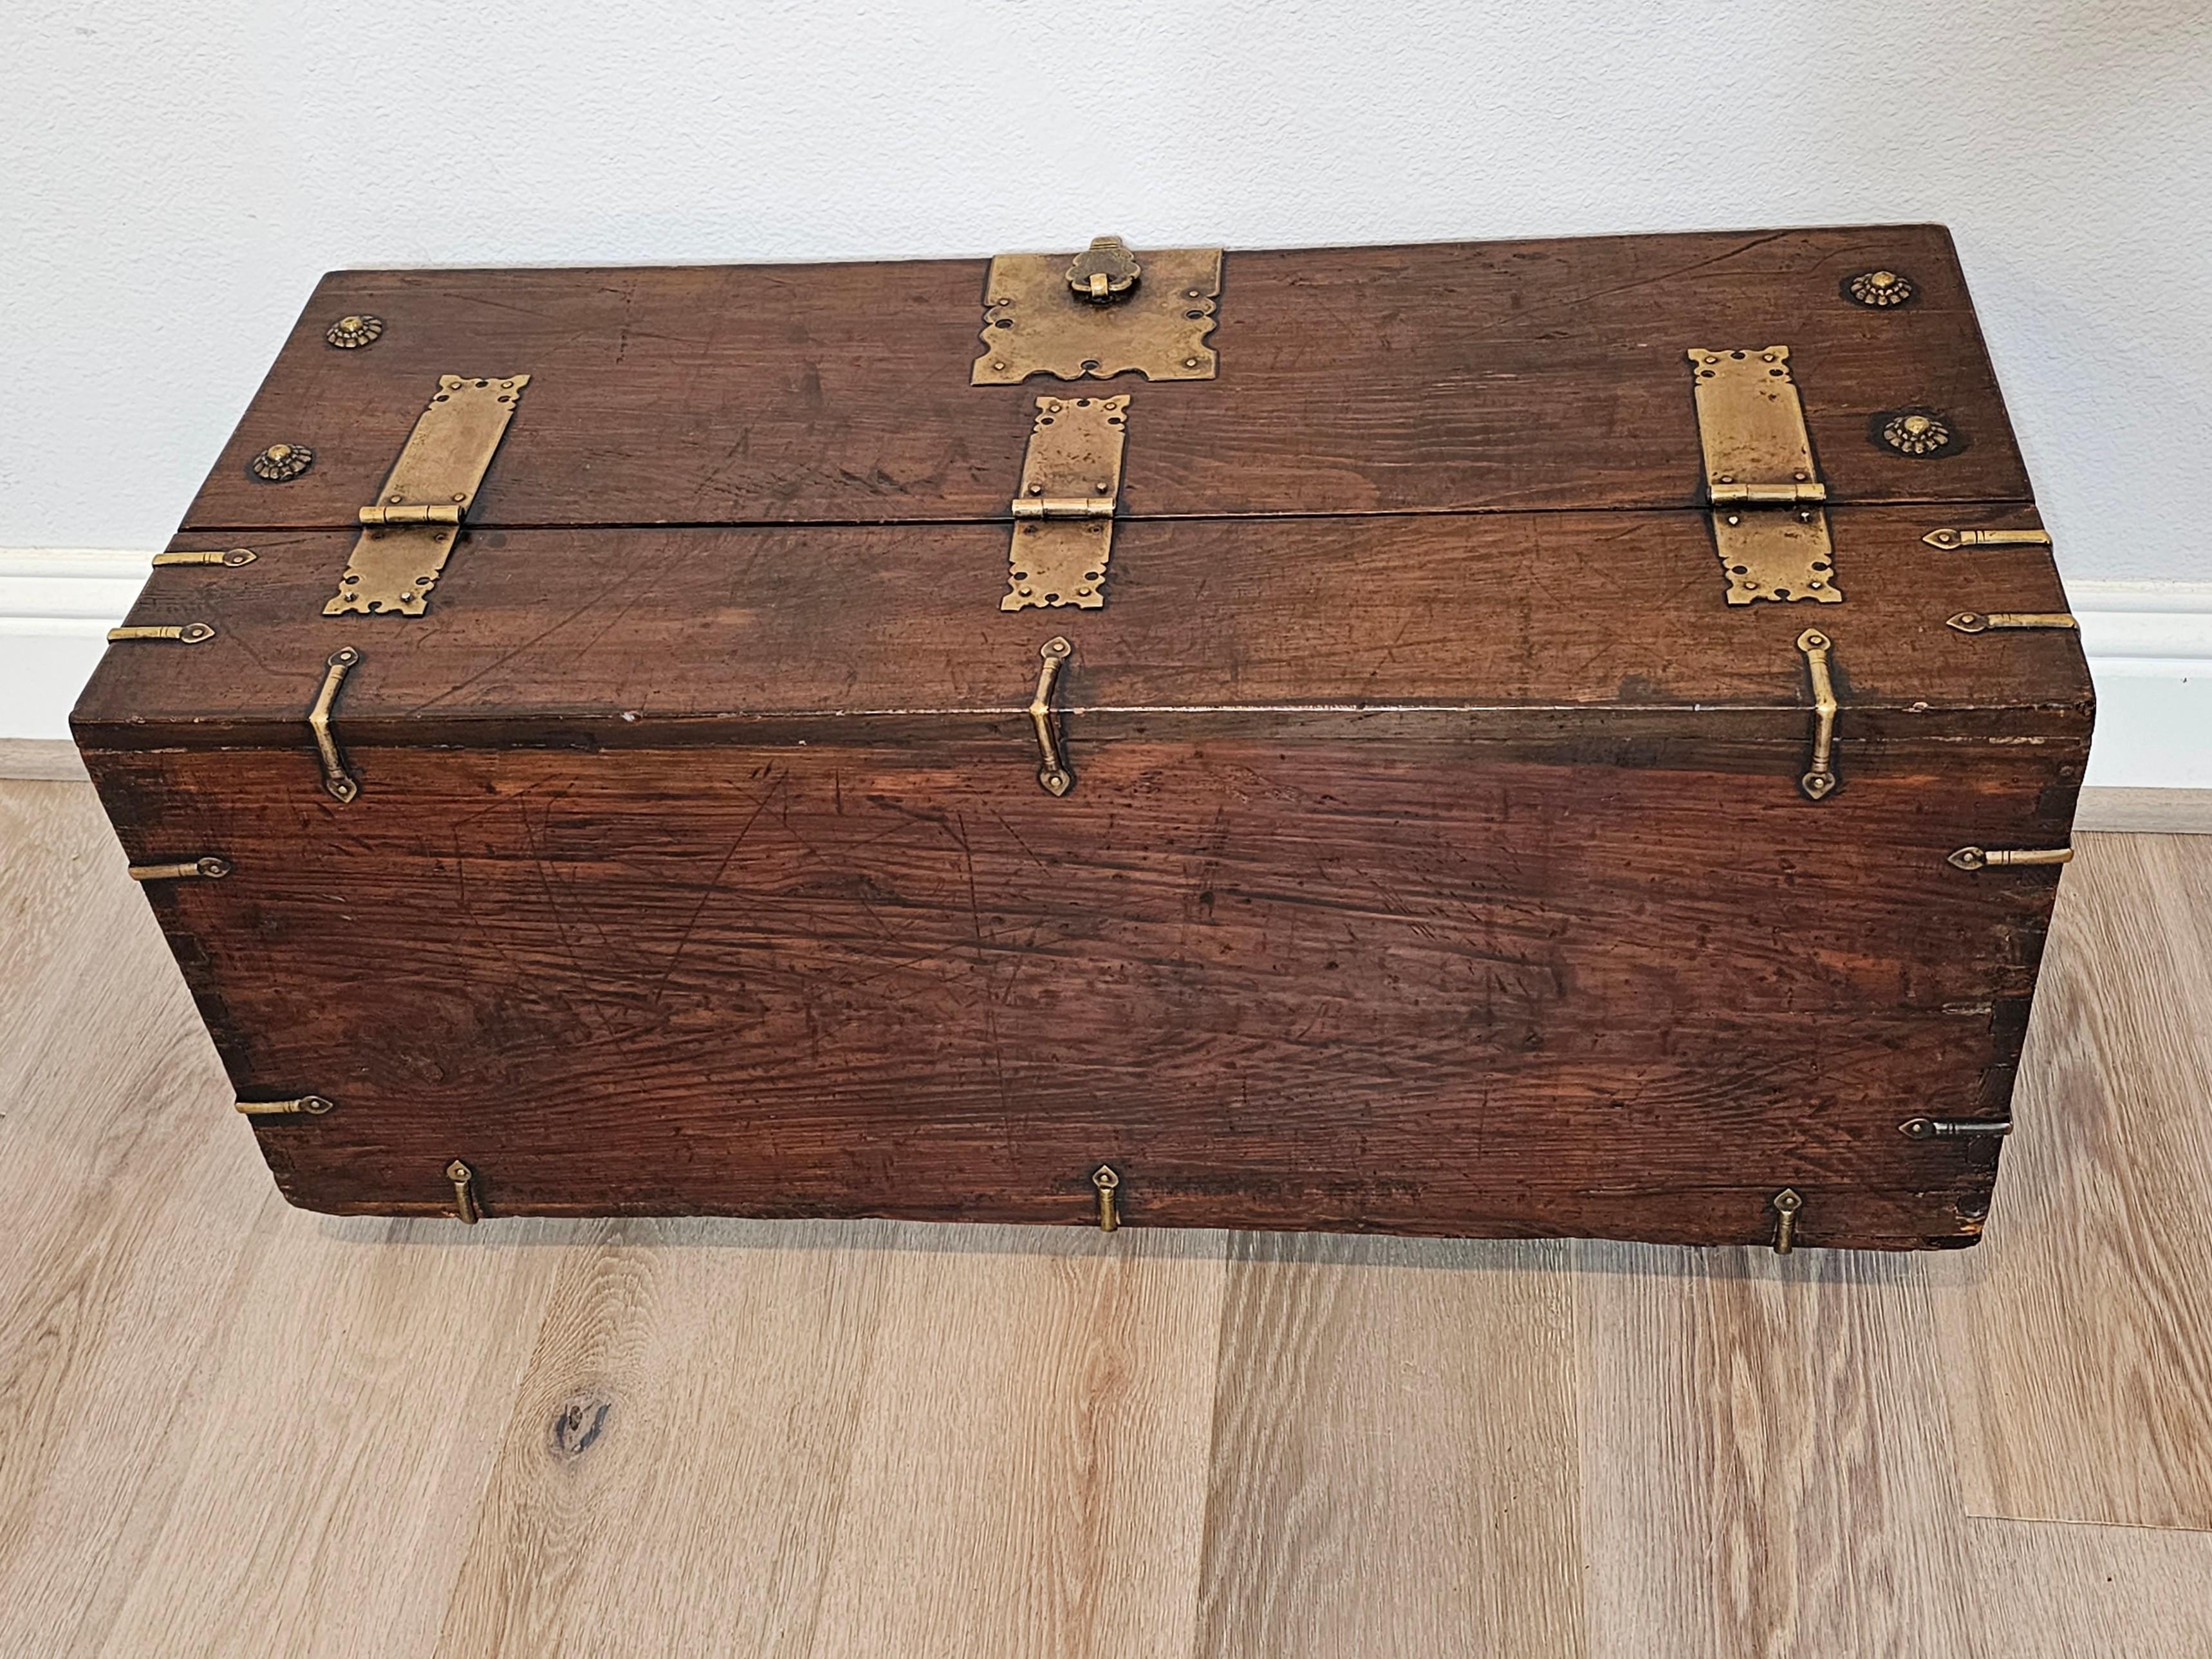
(1064, 512)
(1769, 524)
(408, 534)
(1107, 312)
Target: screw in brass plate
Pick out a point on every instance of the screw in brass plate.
(1786, 1203)
(1917, 432)
(1879, 288)
(351, 333)
(1107, 1182)
(281, 462)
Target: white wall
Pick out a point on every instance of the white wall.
(175, 176)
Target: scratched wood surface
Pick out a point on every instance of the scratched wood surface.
(230, 1427)
(1450, 988)
(1440, 377)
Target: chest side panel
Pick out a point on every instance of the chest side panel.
(1457, 986)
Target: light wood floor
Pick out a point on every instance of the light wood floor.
(229, 1427)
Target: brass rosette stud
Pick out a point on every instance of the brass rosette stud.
(1916, 432)
(351, 333)
(1880, 288)
(281, 463)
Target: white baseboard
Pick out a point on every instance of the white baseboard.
(2149, 646)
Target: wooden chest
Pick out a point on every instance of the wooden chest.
(1504, 738)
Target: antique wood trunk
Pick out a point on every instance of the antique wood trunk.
(1503, 739)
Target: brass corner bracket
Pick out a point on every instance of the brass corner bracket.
(1108, 312)
(408, 534)
(1770, 525)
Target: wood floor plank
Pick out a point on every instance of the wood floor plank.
(1764, 1465)
(858, 1438)
(2078, 1337)
(2051, 1590)
(1393, 1454)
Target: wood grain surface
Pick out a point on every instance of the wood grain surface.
(1555, 622)
(1447, 988)
(230, 1427)
(1443, 377)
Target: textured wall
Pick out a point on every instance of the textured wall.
(173, 176)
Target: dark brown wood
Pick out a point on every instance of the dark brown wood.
(1436, 860)
(1500, 375)
(1453, 986)
(1510, 620)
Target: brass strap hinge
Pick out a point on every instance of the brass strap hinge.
(408, 534)
(1769, 523)
(1106, 312)
(1064, 513)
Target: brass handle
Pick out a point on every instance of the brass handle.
(1951, 540)
(336, 779)
(1052, 772)
(1820, 779)
(215, 869)
(199, 633)
(313, 1105)
(1107, 1181)
(2003, 858)
(1984, 622)
(1786, 1203)
(463, 1178)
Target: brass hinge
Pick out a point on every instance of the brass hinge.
(1769, 524)
(1108, 312)
(408, 534)
(1064, 515)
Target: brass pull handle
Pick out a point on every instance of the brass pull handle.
(197, 633)
(1954, 1129)
(1052, 772)
(1786, 1203)
(1107, 1182)
(336, 779)
(233, 557)
(1950, 540)
(1820, 779)
(464, 1192)
(213, 868)
(313, 1105)
(2003, 857)
(1984, 622)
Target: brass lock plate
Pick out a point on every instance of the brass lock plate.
(1064, 515)
(1035, 321)
(408, 534)
(1769, 524)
